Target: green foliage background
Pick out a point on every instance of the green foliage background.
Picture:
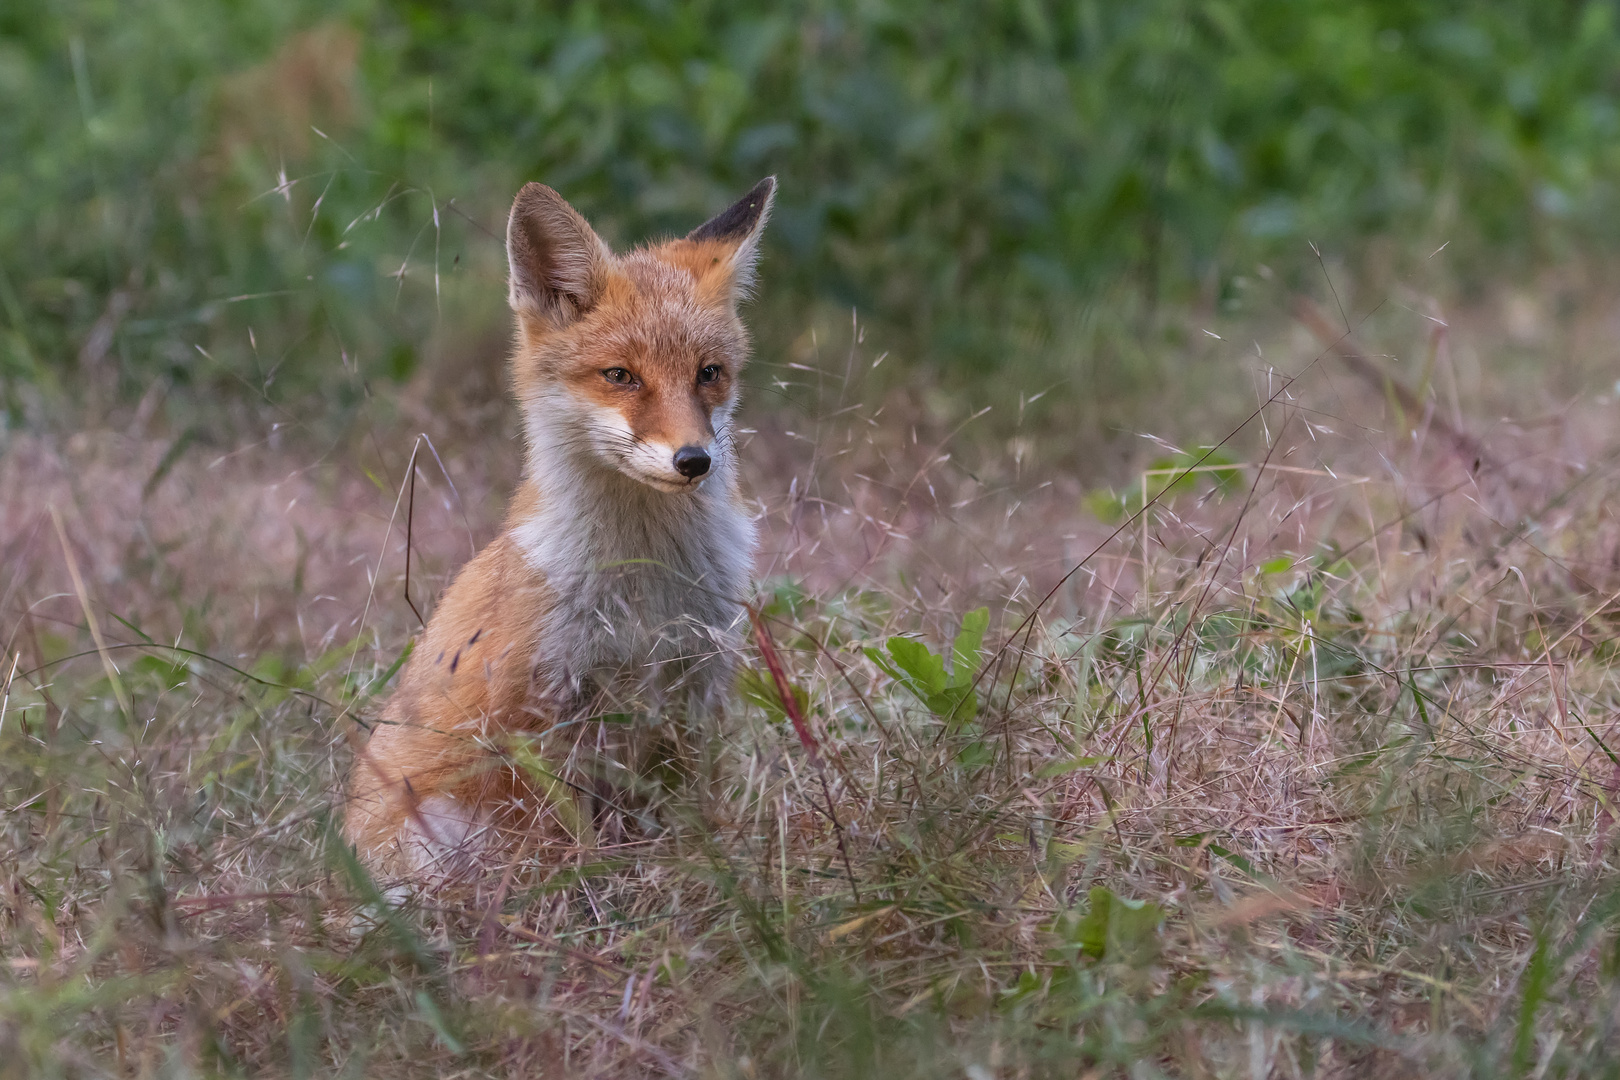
(991, 184)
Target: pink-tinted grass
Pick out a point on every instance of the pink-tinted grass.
(1307, 767)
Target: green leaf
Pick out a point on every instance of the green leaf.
(883, 664)
(976, 754)
(1227, 479)
(759, 687)
(1105, 506)
(169, 673)
(1538, 974)
(1068, 765)
(1235, 859)
(428, 1010)
(787, 598)
(563, 799)
(137, 631)
(949, 696)
(969, 640)
(1280, 565)
(926, 671)
(1114, 927)
(1169, 475)
(955, 704)
(393, 669)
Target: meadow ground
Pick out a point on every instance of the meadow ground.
(1306, 768)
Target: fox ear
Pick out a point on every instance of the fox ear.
(558, 264)
(738, 227)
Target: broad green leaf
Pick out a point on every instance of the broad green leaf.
(950, 696)
(954, 704)
(969, 640)
(883, 664)
(926, 671)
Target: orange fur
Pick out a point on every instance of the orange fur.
(616, 585)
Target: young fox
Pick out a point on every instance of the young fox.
(617, 584)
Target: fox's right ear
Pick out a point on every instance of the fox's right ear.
(558, 264)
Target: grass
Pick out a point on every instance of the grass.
(1307, 768)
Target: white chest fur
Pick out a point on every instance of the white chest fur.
(646, 589)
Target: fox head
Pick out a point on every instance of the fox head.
(630, 362)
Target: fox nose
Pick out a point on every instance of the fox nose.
(691, 461)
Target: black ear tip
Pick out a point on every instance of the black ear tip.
(740, 218)
(762, 191)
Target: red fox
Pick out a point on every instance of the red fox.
(617, 585)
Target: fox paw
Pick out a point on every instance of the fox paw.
(444, 840)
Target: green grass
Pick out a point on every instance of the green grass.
(1306, 767)
(1307, 770)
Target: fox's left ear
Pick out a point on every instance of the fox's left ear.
(737, 230)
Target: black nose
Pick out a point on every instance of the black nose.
(691, 461)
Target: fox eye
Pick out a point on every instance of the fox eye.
(618, 375)
(708, 374)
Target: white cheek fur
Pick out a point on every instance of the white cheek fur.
(610, 435)
(616, 445)
(558, 422)
(654, 463)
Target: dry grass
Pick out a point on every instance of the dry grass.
(1305, 773)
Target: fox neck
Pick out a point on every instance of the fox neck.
(638, 578)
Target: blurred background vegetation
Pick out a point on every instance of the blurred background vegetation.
(264, 204)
